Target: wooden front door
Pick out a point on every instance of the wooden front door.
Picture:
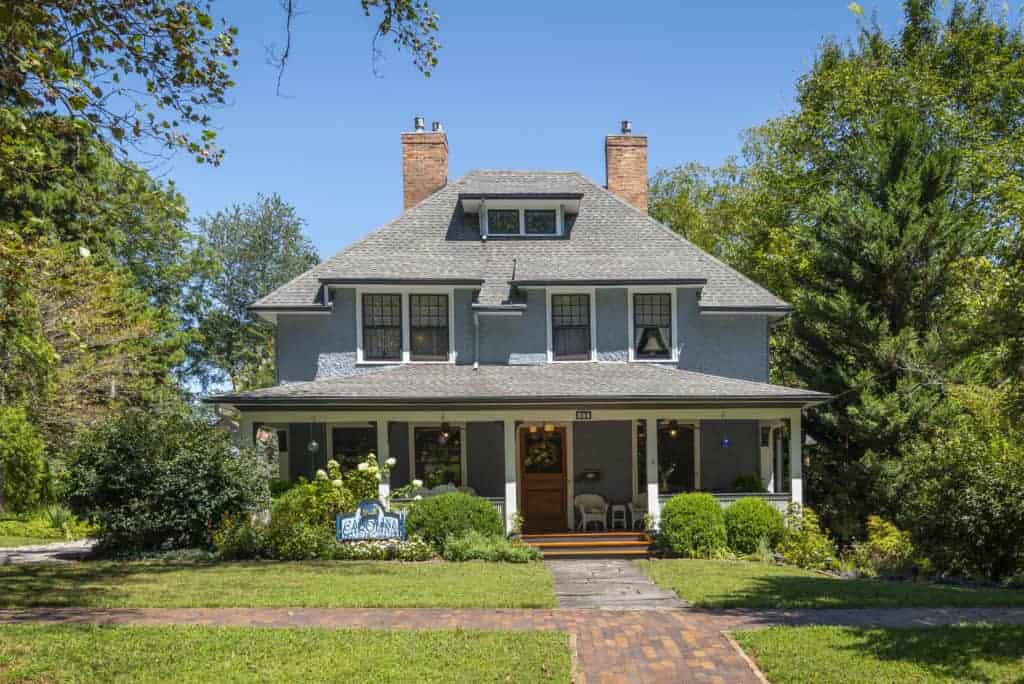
(542, 474)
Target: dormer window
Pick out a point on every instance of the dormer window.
(503, 222)
(540, 221)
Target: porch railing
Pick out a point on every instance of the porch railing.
(778, 500)
(497, 501)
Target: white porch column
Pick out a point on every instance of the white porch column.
(796, 443)
(653, 505)
(511, 475)
(383, 454)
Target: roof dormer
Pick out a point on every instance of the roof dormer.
(507, 215)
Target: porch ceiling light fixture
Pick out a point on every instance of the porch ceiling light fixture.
(673, 429)
(313, 446)
(445, 434)
(532, 429)
(549, 427)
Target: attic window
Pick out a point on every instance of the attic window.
(522, 218)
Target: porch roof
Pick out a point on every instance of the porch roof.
(552, 383)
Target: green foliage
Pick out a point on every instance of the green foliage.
(279, 486)
(364, 481)
(254, 248)
(749, 482)
(303, 519)
(692, 526)
(438, 517)
(22, 468)
(53, 522)
(240, 537)
(804, 543)
(962, 491)
(160, 479)
(888, 550)
(749, 522)
(473, 545)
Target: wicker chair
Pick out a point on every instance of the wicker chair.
(592, 508)
(637, 511)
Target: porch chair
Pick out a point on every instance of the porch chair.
(637, 510)
(592, 508)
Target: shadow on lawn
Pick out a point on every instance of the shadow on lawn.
(826, 592)
(953, 652)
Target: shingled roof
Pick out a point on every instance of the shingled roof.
(608, 242)
(578, 383)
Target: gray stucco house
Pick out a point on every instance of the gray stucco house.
(534, 336)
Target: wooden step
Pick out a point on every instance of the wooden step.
(552, 554)
(594, 543)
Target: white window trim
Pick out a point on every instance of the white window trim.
(592, 292)
(522, 206)
(695, 425)
(673, 309)
(462, 443)
(403, 292)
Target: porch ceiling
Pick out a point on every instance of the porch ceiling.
(576, 383)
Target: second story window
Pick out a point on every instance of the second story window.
(428, 327)
(541, 221)
(652, 326)
(570, 327)
(382, 327)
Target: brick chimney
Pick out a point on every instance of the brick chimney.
(625, 166)
(424, 162)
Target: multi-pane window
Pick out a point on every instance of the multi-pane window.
(351, 445)
(382, 327)
(570, 327)
(652, 326)
(503, 221)
(428, 327)
(541, 221)
(437, 456)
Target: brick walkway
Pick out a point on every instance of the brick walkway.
(610, 646)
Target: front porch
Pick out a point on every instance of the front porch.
(533, 463)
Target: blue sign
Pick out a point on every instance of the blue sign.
(370, 521)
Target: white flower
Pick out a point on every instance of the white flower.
(363, 466)
(321, 474)
(417, 497)
(84, 252)
(338, 483)
(417, 483)
(390, 462)
(377, 475)
(333, 464)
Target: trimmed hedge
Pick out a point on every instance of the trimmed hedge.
(435, 518)
(750, 519)
(692, 526)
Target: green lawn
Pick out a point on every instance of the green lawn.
(266, 584)
(11, 542)
(234, 654)
(966, 653)
(736, 584)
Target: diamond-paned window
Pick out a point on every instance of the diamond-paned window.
(503, 221)
(541, 221)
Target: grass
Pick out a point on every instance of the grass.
(965, 653)
(235, 654)
(273, 584)
(739, 584)
(8, 542)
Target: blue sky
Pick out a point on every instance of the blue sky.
(521, 85)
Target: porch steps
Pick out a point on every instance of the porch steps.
(591, 544)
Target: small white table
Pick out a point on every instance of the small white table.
(619, 520)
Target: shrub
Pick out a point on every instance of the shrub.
(888, 550)
(240, 537)
(749, 482)
(279, 487)
(437, 517)
(161, 479)
(364, 481)
(748, 521)
(55, 522)
(412, 549)
(23, 472)
(804, 544)
(961, 495)
(692, 526)
(302, 520)
(476, 546)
